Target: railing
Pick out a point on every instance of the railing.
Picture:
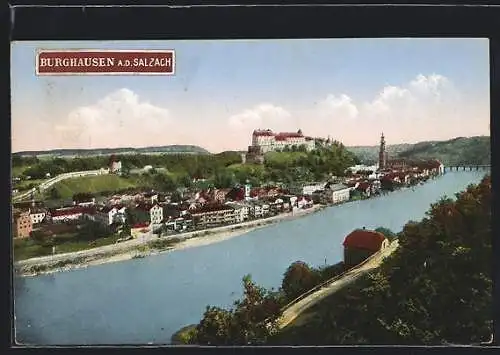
(331, 280)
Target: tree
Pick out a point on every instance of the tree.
(435, 289)
(176, 197)
(298, 278)
(54, 194)
(386, 232)
(252, 320)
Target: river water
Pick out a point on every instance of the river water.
(146, 300)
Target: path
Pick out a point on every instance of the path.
(296, 309)
(50, 182)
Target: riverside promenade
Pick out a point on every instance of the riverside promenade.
(83, 257)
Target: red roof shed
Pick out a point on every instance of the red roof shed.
(364, 239)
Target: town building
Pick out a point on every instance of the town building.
(83, 199)
(361, 244)
(109, 215)
(22, 224)
(151, 197)
(154, 210)
(71, 214)
(37, 215)
(115, 166)
(311, 188)
(213, 215)
(401, 164)
(242, 211)
(335, 193)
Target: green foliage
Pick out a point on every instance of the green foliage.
(252, 320)
(435, 289)
(185, 335)
(386, 232)
(299, 278)
(471, 150)
(294, 166)
(93, 230)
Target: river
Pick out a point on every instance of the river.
(146, 300)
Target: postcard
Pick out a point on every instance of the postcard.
(264, 192)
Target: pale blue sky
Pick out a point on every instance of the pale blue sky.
(217, 80)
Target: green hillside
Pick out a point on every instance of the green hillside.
(471, 150)
(461, 150)
(369, 154)
(93, 184)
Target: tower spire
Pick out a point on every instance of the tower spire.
(382, 156)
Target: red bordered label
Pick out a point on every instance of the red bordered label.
(105, 62)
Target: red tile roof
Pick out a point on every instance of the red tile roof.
(364, 239)
(211, 208)
(140, 225)
(363, 185)
(72, 210)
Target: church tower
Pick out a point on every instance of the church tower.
(382, 155)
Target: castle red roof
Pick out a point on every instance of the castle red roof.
(278, 136)
(364, 239)
(260, 132)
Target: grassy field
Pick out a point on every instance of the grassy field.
(28, 248)
(18, 170)
(94, 184)
(25, 184)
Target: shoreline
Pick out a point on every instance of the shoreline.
(150, 246)
(147, 245)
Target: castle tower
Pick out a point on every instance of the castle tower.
(247, 190)
(382, 155)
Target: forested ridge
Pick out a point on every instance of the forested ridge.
(435, 289)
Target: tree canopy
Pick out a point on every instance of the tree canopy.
(435, 289)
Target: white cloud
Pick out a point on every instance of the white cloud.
(338, 107)
(261, 116)
(119, 114)
(422, 98)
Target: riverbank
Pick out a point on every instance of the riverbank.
(147, 245)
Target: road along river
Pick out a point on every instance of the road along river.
(146, 300)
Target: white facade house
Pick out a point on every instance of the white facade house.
(110, 215)
(309, 189)
(156, 214)
(116, 167)
(242, 211)
(441, 169)
(37, 215)
(336, 194)
(63, 215)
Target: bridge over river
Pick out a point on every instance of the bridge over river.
(467, 167)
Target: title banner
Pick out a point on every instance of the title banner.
(105, 62)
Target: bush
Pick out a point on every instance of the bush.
(387, 233)
(298, 279)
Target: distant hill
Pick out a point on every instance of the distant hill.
(369, 154)
(460, 150)
(168, 149)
